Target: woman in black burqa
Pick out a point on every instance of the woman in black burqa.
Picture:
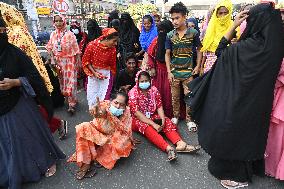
(27, 148)
(129, 38)
(234, 100)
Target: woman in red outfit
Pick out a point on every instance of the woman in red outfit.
(149, 119)
(157, 65)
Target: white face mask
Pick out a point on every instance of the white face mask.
(75, 31)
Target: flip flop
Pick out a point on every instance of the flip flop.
(233, 185)
(189, 149)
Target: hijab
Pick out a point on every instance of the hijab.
(128, 31)
(217, 27)
(163, 28)
(112, 15)
(193, 20)
(94, 30)
(146, 37)
(64, 27)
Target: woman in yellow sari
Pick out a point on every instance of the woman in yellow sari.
(218, 26)
(19, 36)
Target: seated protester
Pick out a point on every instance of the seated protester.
(27, 148)
(105, 139)
(126, 77)
(149, 119)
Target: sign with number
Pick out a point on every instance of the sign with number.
(60, 6)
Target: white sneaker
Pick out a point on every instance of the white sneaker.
(174, 120)
(192, 127)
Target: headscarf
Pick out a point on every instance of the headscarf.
(112, 15)
(115, 23)
(64, 26)
(204, 28)
(99, 54)
(146, 37)
(3, 36)
(76, 25)
(94, 30)
(217, 27)
(19, 36)
(163, 28)
(128, 31)
(193, 20)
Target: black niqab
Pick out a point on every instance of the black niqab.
(94, 30)
(163, 28)
(234, 112)
(112, 15)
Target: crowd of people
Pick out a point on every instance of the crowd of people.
(226, 80)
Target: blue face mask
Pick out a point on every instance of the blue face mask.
(115, 111)
(144, 86)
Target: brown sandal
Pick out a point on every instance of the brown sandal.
(85, 173)
(189, 149)
(172, 155)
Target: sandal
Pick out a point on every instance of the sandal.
(229, 184)
(189, 149)
(172, 155)
(85, 173)
(192, 127)
(51, 171)
(71, 110)
(62, 131)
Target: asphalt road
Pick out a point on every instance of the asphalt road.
(145, 168)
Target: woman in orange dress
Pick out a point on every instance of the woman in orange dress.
(65, 53)
(105, 139)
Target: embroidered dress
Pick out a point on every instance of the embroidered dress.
(104, 139)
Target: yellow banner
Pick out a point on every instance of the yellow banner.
(43, 11)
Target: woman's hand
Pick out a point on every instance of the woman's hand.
(171, 77)
(99, 76)
(157, 127)
(97, 111)
(240, 18)
(196, 70)
(152, 72)
(7, 83)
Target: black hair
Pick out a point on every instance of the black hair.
(111, 36)
(179, 8)
(121, 93)
(144, 73)
(130, 55)
(148, 17)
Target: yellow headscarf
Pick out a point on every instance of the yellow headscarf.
(20, 37)
(217, 27)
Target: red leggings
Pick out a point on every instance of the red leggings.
(154, 137)
(54, 123)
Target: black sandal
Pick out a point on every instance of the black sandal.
(172, 155)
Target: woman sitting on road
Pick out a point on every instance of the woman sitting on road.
(105, 139)
(149, 118)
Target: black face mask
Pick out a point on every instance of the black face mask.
(3, 41)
